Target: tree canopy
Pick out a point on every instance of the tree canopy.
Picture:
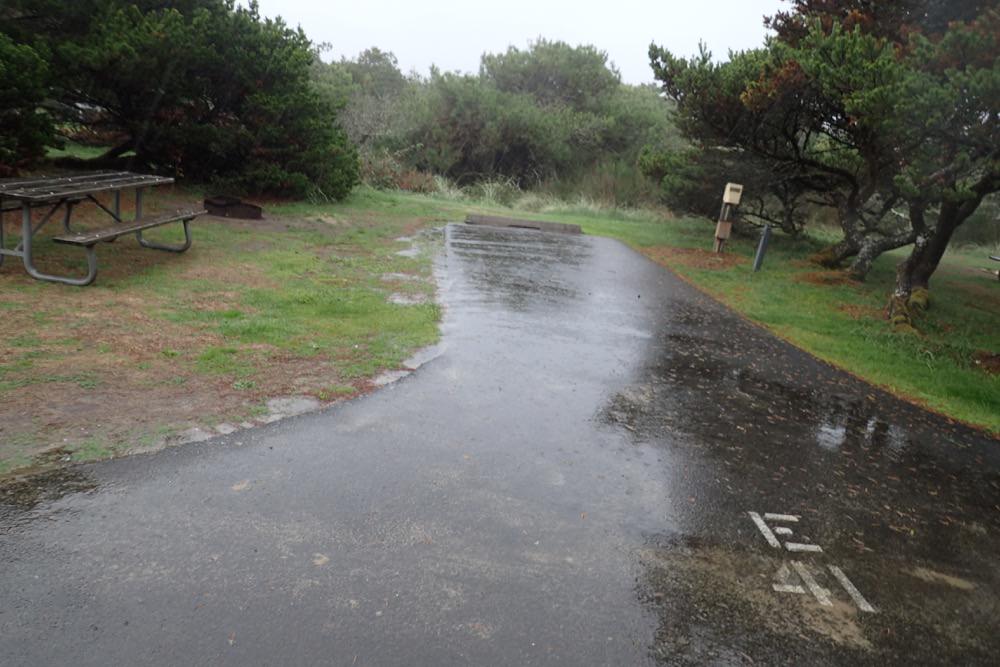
(24, 128)
(550, 111)
(886, 113)
(201, 88)
(554, 74)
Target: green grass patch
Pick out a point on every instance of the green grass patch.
(224, 361)
(335, 391)
(25, 340)
(10, 381)
(249, 306)
(92, 449)
(75, 150)
(324, 296)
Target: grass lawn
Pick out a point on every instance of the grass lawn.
(73, 149)
(304, 303)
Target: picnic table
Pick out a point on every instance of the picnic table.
(68, 192)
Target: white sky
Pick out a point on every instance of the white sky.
(453, 34)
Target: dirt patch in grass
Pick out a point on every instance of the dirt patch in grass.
(861, 312)
(988, 361)
(693, 257)
(825, 278)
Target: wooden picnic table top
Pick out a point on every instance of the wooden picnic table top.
(54, 188)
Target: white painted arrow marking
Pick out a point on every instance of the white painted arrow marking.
(855, 594)
(785, 576)
(821, 594)
(764, 530)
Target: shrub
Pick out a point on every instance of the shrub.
(203, 88)
(24, 129)
(417, 181)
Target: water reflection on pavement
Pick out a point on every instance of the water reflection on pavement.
(569, 482)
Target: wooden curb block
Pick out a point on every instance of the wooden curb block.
(498, 221)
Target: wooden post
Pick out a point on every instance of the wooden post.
(730, 200)
(724, 228)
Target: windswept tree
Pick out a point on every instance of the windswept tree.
(733, 140)
(953, 102)
(787, 111)
(886, 114)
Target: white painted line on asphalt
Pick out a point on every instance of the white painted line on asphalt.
(782, 530)
(798, 546)
(793, 518)
(764, 530)
(784, 576)
(855, 594)
(821, 594)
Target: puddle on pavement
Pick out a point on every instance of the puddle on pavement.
(798, 432)
(511, 273)
(904, 501)
(28, 492)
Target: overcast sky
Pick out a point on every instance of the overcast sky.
(453, 34)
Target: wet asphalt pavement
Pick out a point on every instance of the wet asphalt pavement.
(569, 482)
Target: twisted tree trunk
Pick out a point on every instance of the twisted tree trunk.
(834, 256)
(911, 295)
(873, 248)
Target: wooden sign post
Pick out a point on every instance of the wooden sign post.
(730, 200)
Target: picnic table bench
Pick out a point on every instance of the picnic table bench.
(67, 192)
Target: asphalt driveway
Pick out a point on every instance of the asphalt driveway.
(600, 466)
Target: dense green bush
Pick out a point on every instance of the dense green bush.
(24, 129)
(204, 89)
(554, 74)
(552, 116)
(471, 131)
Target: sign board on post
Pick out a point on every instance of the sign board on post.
(733, 194)
(730, 200)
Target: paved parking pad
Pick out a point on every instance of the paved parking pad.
(601, 466)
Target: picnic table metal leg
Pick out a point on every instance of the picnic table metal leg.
(36, 228)
(3, 245)
(117, 212)
(27, 232)
(66, 217)
(169, 247)
(138, 212)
